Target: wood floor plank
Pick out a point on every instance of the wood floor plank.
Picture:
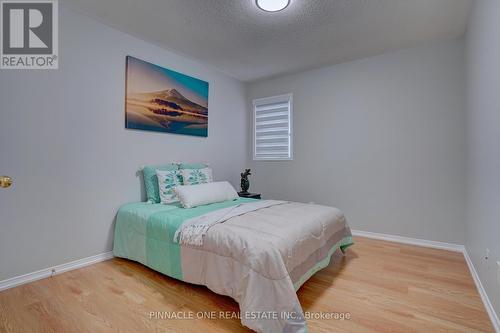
(382, 286)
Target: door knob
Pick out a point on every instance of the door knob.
(5, 181)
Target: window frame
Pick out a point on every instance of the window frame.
(269, 100)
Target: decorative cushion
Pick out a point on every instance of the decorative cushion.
(167, 181)
(204, 194)
(151, 180)
(196, 176)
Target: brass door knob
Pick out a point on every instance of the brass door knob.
(5, 181)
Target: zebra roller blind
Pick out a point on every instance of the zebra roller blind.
(273, 128)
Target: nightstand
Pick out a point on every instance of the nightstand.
(249, 195)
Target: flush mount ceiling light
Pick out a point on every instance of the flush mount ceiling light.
(272, 5)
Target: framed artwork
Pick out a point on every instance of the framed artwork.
(162, 100)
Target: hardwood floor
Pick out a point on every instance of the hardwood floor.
(384, 287)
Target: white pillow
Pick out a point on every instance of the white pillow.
(204, 194)
(196, 176)
(168, 180)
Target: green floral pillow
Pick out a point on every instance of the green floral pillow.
(196, 176)
(167, 181)
(151, 180)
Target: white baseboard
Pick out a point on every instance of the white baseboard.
(47, 272)
(442, 246)
(482, 292)
(410, 241)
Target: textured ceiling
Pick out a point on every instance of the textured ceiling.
(250, 44)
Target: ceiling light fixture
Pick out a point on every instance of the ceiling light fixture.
(272, 5)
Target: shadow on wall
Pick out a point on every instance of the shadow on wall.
(140, 177)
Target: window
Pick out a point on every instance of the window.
(273, 128)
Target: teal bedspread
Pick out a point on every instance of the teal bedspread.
(144, 232)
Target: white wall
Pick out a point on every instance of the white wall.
(62, 139)
(381, 138)
(483, 136)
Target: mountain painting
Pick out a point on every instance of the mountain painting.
(162, 100)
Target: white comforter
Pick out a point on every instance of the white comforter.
(260, 255)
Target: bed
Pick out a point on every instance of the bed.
(260, 257)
